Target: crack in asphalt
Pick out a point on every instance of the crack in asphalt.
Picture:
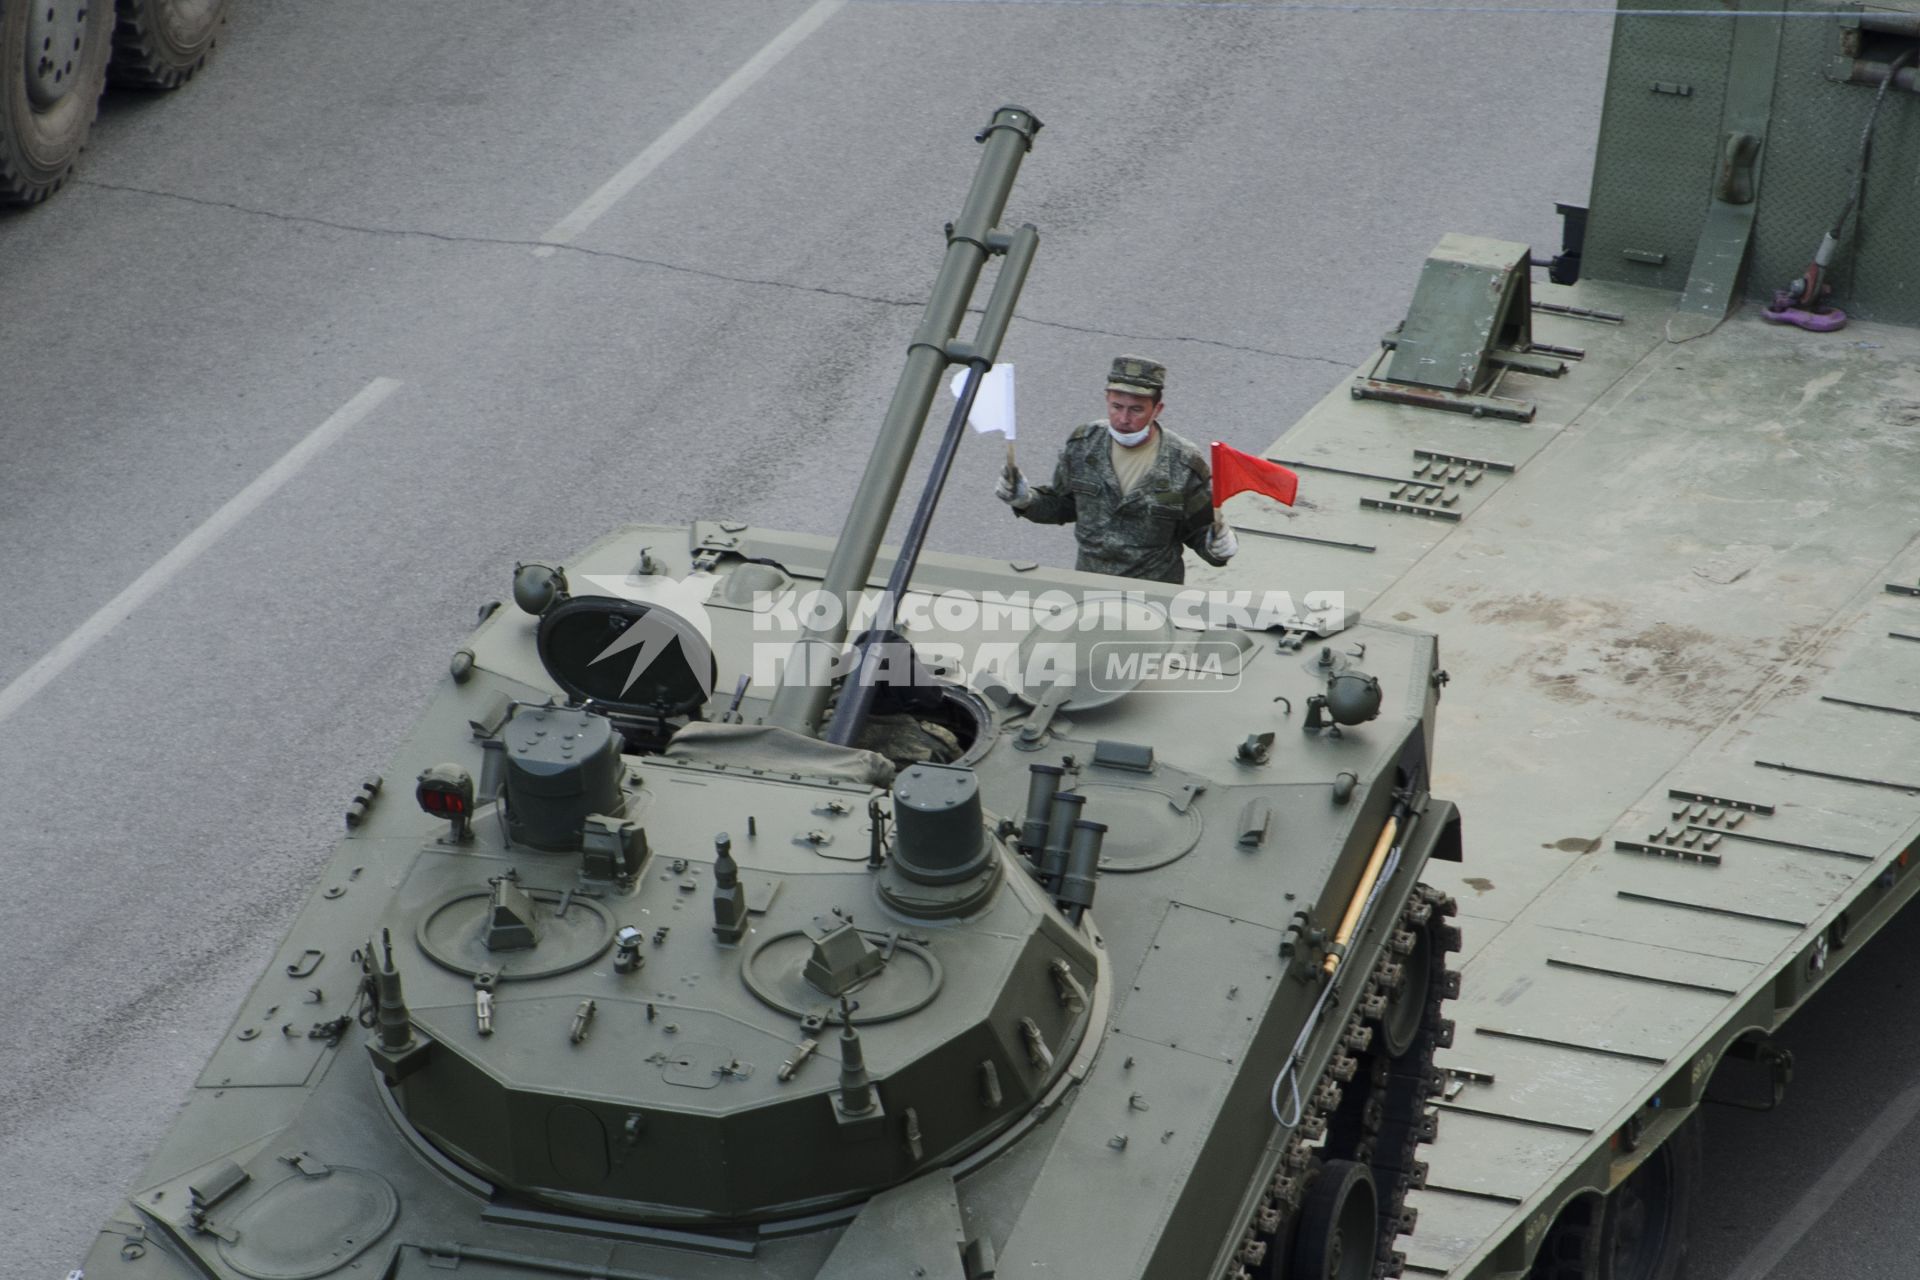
(681, 269)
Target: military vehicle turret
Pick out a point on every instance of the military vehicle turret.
(1058, 925)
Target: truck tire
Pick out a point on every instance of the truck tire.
(53, 62)
(159, 44)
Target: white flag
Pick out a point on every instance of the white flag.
(992, 403)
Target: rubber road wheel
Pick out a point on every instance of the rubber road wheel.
(1338, 1235)
(1400, 1024)
(53, 61)
(159, 44)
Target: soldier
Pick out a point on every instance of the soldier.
(1135, 492)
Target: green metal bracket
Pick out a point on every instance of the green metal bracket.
(1713, 281)
(1474, 295)
(1454, 402)
(1529, 361)
(1469, 324)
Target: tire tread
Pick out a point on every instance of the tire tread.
(143, 58)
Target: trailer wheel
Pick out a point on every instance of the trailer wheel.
(1643, 1228)
(159, 44)
(1571, 1250)
(53, 60)
(1639, 1232)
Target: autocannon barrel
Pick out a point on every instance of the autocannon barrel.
(971, 239)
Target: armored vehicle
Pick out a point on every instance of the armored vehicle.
(1659, 505)
(1057, 925)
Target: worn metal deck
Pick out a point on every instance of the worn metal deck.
(1684, 719)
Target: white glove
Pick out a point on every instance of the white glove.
(1013, 489)
(1221, 544)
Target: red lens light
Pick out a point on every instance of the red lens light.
(441, 803)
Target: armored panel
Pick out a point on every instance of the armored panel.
(1816, 131)
(1201, 982)
(1660, 142)
(1659, 139)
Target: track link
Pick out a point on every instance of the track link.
(1370, 1105)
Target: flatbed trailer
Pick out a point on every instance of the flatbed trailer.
(1673, 562)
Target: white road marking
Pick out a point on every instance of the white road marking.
(168, 567)
(1879, 1134)
(569, 228)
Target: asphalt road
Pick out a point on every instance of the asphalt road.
(1821, 1186)
(358, 191)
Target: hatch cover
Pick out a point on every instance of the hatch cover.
(627, 655)
(1144, 830)
(311, 1225)
(1063, 649)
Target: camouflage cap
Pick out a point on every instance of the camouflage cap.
(1137, 375)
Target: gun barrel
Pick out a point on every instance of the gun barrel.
(804, 688)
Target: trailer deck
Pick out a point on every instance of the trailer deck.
(1680, 610)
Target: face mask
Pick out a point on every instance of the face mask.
(1130, 439)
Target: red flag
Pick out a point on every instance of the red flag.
(1234, 472)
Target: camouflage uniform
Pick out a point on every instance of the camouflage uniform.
(1137, 534)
